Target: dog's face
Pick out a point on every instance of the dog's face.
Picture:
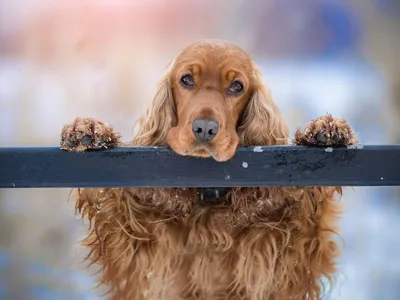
(211, 100)
(211, 86)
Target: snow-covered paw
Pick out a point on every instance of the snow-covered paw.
(88, 133)
(326, 131)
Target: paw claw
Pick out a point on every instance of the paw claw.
(71, 143)
(86, 140)
(321, 137)
(337, 139)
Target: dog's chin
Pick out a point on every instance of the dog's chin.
(201, 152)
(208, 152)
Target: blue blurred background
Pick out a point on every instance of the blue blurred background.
(102, 58)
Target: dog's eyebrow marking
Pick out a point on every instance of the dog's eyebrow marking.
(196, 70)
(231, 75)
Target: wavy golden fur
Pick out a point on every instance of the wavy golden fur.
(159, 243)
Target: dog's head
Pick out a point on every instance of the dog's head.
(211, 100)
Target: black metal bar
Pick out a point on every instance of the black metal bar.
(160, 167)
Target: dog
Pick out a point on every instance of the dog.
(247, 243)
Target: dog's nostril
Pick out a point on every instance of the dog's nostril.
(205, 129)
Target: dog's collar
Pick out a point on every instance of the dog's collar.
(213, 196)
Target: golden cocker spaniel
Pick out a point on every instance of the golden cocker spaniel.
(254, 243)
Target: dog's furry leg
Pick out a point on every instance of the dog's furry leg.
(319, 224)
(119, 236)
(119, 239)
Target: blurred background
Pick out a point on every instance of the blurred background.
(102, 58)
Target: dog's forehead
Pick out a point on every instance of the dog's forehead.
(215, 57)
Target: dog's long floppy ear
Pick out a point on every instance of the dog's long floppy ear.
(159, 117)
(262, 123)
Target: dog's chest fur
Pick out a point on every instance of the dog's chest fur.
(210, 246)
(237, 206)
(172, 247)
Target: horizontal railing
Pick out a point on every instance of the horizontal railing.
(50, 167)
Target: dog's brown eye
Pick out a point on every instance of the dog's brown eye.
(236, 87)
(187, 81)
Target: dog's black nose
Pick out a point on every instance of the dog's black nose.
(205, 129)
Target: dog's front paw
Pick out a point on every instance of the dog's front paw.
(88, 133)
(326, 131)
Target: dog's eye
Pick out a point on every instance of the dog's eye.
(187, 81)
(236, 87)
